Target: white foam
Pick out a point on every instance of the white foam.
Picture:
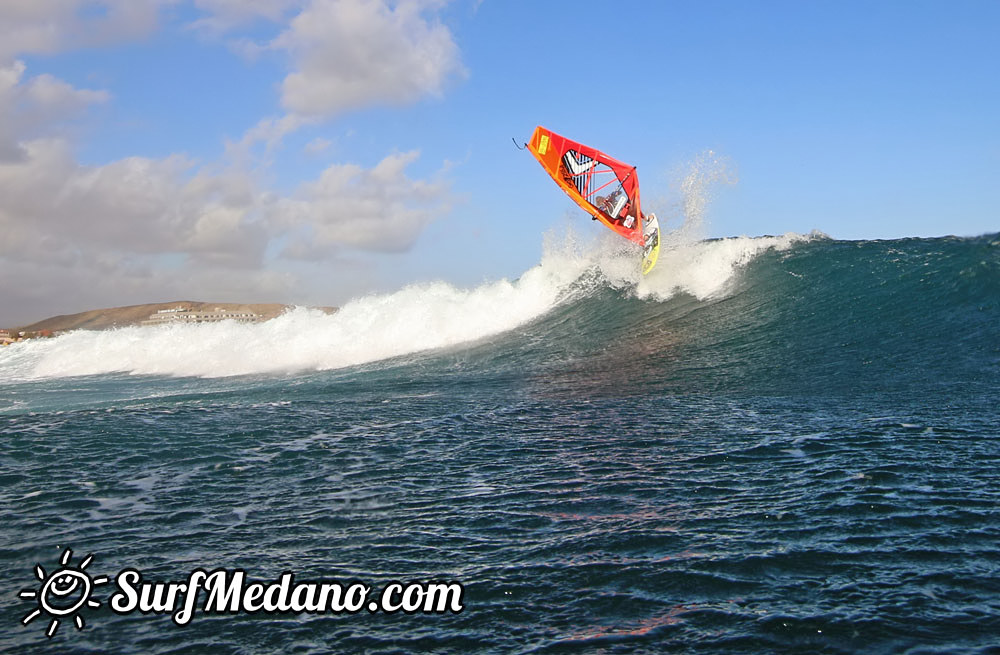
(704, 269)
(416, 318)
(413, 319)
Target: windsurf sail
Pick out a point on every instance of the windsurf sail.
(604, 187)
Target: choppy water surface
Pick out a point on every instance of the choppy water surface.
(786, 445)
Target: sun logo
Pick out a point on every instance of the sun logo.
(63, 592)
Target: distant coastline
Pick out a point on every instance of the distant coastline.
(147, 314)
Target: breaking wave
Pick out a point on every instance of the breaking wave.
(416, 318)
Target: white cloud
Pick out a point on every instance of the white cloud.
(269, 131)
(318, 145)
(379, 209)
(55, 208)
(344, 55)
(51, 26)
(49, 93)
(28, 107)
(354, 53)
(226, 15)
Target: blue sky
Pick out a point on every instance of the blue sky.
(314, 150)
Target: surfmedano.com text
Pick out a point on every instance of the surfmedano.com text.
(228, 591)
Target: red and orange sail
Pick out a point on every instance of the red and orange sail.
(604, 187)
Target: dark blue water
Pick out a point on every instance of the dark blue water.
(808, 461)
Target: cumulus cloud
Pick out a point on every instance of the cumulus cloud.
(318, 145)
(26, 107)
(221, 16)
(380, 209)
(344, 55)
(353, 53)
(51, 26)
(57, 209)
(269, 131)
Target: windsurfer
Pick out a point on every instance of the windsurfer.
(583, 173)
(617, 207)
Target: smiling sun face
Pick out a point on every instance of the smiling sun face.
(63, 592)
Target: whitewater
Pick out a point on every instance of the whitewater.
(414, 319)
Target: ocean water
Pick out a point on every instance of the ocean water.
(774, 444)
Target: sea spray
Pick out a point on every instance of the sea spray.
(706, 269)
(687, 263)
(683, 212)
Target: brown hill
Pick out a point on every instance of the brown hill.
(103, 319)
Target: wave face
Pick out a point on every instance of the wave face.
(769, 445)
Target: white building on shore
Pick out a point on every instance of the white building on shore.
(188, 315)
